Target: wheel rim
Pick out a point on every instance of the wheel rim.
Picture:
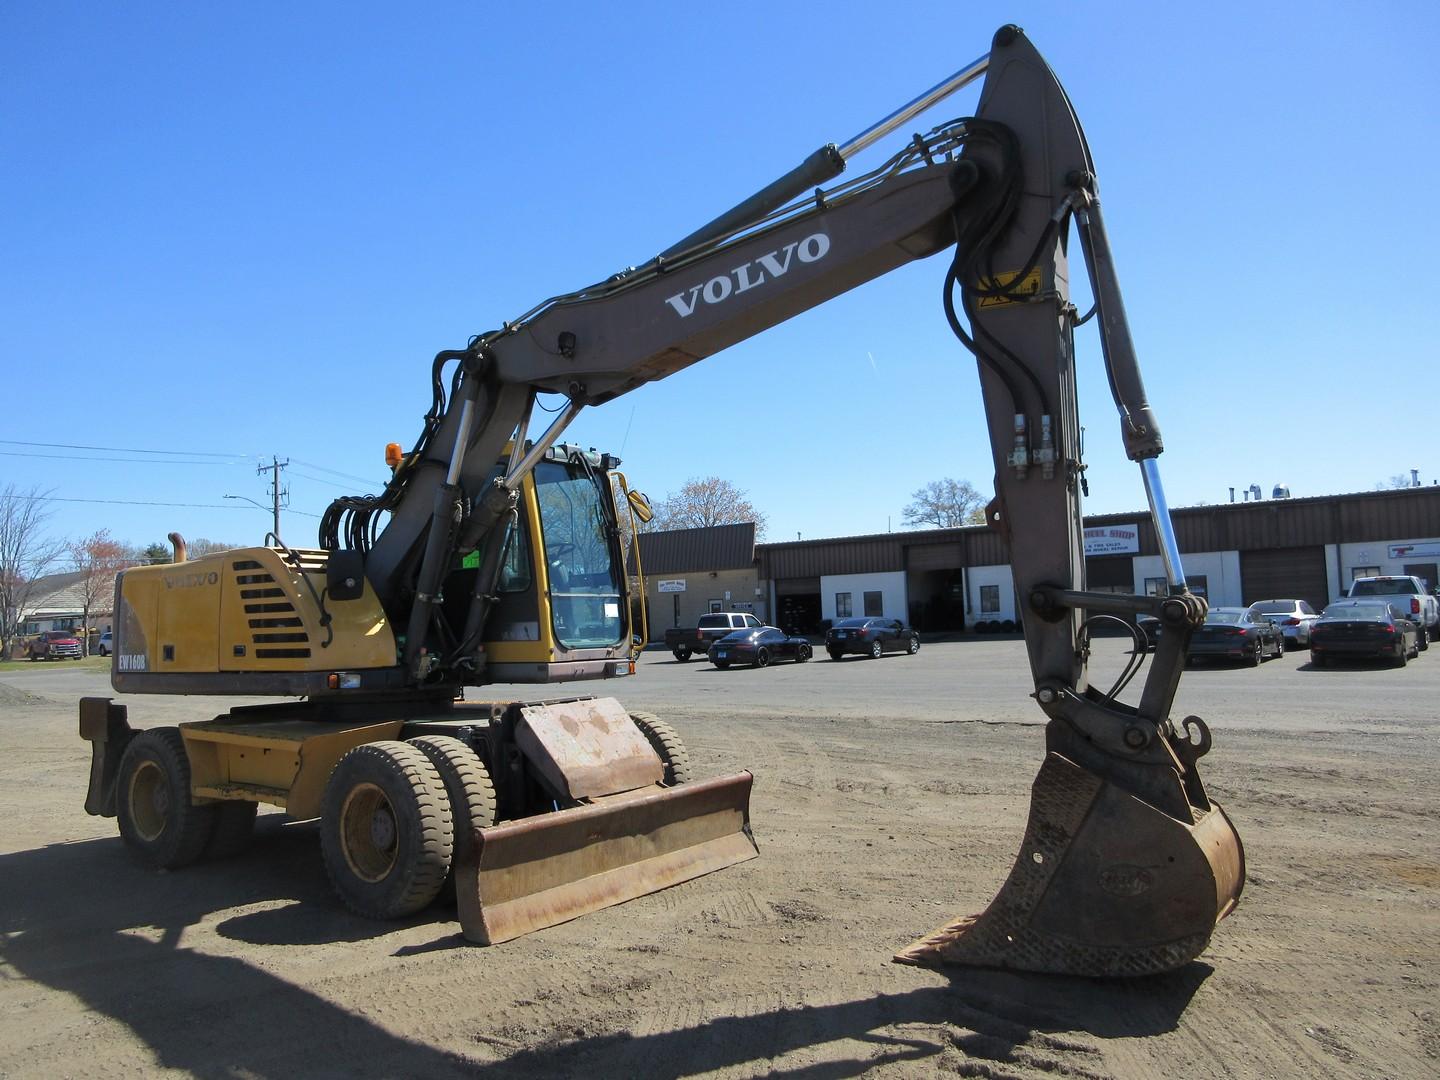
(149, 800)
(762, 658)
(876, 649)
(368, 836)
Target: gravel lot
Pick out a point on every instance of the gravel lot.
(890, 796)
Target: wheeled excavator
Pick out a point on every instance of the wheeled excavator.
(498, 554)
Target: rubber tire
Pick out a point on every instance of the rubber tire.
(1402, 658)
(1422, 640)
(1319, 661)
(664, 740)
(803, 653)
(186, 827)
(723, 665)
(876, 650)
(234, 828)
(914, 645)
(835, 654)
(424, 830)
(471, 791)
(762, 658)
(1258, 656)
(683, 655)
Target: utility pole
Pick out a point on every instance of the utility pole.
(275, 493)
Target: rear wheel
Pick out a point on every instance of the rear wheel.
(682, 655)
(835, 654)
(914, 645)
(386, 831)
(1422, 640)
(723, 665)
(157, 820)
(803, 653)
(665, 742)
(469, 788)
(876, 650)
(1258, 656)
(1403, 656)
(1319, 660)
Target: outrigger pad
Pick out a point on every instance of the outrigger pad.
(524, 875)
(1104, 885)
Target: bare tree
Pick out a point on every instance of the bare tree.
(1399, 480)
(202, 546)
(946, 504)
(97, 559)
(25, 554)
(705, 502)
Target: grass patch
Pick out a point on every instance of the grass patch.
(90, 663)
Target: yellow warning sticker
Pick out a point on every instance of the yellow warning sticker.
(1029, 287)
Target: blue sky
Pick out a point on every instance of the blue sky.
(237, 231)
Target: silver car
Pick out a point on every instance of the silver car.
(1293, 617)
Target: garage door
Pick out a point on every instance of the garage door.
(1284, 574)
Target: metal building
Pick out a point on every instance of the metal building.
(1234, 554)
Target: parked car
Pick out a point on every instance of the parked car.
(1409, 595)
(870, 637)
(711, 628)
(1149, 627)
(1363, 628)
(105, 645)
(758, 646)
(1235, 634)
(1294, 618)
(54, 645)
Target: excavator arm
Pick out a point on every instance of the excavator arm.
(1127, 865)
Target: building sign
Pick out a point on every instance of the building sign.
(676, 585)
(1112, 540)
(1410, 551)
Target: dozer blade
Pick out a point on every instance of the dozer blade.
(524, 875)
(1105, 885)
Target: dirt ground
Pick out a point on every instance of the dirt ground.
(890, 796)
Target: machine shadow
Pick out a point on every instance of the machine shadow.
(82, 918)
(989, 1016)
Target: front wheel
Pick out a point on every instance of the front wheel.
(876, 650)
(762, 658)
(386, 831)
(157, 819)
(665, 742)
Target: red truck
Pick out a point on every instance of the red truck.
(54, 645)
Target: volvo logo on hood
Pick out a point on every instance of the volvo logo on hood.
(756, 272)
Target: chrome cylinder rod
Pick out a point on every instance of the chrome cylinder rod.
(941, 90)
(1164, 527)
(517, 471)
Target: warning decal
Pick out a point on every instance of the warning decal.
(1029, 287)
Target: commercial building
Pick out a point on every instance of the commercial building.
(1234, 554)
(689, 572)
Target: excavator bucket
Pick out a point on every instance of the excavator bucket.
(538, 871)
(1104, 885)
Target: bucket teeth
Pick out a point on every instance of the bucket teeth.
(1104, 885)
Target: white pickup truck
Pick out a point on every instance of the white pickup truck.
(1407, 593)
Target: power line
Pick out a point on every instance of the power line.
(320, 480)
(134, 502)
(116, 449)
(113, 461)
(334, 472)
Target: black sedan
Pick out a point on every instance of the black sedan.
(758, 646)
(1237, 634)
(1363, 629)
(870, 637)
